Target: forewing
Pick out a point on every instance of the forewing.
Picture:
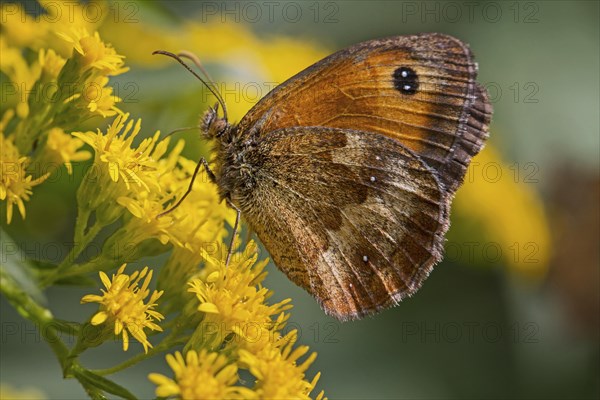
(355, 218)
(443, 118)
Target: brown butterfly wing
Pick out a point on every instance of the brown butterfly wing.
(443, 116)
(354, 217)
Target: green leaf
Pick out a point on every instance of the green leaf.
(69, 327)
(42, 265)
(89, 378)
(79, 280)
(17, 267)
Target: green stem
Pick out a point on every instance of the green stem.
(164, 345)
(97, 264)
(60, 350)
(66, 267)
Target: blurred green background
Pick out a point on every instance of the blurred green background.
(481, 326)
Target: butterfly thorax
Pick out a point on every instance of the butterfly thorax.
(235, 158)
(236, 163)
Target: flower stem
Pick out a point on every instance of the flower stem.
(165, 344)
(63, 269)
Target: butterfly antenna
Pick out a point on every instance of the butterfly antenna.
(194, 58)
(187, 128)
(209, 87)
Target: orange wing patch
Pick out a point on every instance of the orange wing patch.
(419, 90)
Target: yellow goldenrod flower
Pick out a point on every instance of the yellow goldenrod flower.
(99, 97)
(144, 223)
(204, 375)
(119, 160)
(122, 305)
(51, 92)
(200, 219)
(232, 297)
(197, 224)
(15, 184)
(277, 371)
(62, 148)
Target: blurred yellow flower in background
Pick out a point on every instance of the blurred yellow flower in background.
(259, 64)
(508, 212)
(62, 148)
(40, 31)
(8, 392)
(51, 63)
(22, 76)
(15, 183)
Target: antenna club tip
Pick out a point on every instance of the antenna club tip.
(162, 52)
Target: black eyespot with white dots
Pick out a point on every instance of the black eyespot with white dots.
(406, 80)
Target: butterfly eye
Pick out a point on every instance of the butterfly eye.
(220, 127)
(406, 80)
(207, 119)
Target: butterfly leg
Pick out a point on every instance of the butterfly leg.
(236, 226)
(211, 176)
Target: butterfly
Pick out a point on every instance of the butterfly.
(347, 170)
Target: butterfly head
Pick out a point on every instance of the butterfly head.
(214, 126)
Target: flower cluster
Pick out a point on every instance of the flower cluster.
(238, 322)
(15, 183)
(58, 76)
(226, 307)
(136, 183)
